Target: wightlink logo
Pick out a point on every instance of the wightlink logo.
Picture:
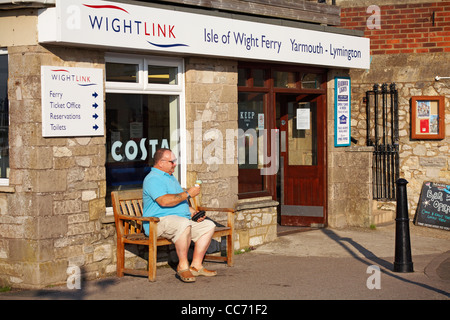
(117, 20)
(63, 75)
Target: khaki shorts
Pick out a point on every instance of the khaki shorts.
(171, 227)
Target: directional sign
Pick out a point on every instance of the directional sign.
(72, 101)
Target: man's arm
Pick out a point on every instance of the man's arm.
(170, 200)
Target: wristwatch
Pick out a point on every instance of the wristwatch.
(189, 196)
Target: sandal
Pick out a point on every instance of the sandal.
(185, 275)
(203, 272)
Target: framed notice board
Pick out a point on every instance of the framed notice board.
(427, 117)
(434, 206)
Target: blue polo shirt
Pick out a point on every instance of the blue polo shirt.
(156, 184)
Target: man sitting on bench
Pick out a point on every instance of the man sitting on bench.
(164, 198)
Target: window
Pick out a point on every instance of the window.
(122, 72)
(144, 112)
(251, 141)
(163, 75)
(261, 91)
(4, 119)
(311, 80)
(283, 79)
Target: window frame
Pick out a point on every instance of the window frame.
(143, 87)
(4, 182)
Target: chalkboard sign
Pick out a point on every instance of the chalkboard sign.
(434, 206)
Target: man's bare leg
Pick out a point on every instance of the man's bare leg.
(182, 247)
(201, 246)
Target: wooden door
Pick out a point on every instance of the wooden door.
(302, 159)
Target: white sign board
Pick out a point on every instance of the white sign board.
(303, 119)
(117, 25)
(342, 116)
(72, 101)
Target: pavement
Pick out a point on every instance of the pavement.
(302, 264)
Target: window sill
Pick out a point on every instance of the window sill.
(7, 189)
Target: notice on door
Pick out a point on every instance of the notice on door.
(72, 101)
(342, 117)
(303, 119)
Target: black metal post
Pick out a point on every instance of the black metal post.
(403, 261)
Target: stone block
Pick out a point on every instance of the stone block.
(255, 241)
(81, 228)
(47, 227)
(49, 180)
(433, 162)
(26, 250)
(243, 240)
(102, 252)
(97, 208)
(67, 206)
(31, 158)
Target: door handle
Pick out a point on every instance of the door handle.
(283, 141)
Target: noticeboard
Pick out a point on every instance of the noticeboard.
(434, 206)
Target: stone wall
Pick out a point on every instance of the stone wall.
(256, 222)
(410, 46)
(50, 217)
(349, 174)
(414, 75)
(211, 109)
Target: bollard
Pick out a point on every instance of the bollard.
(403, 261)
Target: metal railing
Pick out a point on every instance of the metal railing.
(382, 134)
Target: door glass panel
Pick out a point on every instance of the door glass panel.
(250, 141)
(302, 134)
(251, 121)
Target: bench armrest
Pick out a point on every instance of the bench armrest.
(217, 209)
(230, 214)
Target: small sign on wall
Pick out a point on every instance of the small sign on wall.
(72, 101)
(342, 117)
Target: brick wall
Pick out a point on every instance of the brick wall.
(404, 28)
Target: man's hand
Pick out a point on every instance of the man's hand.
(194, 191)
(193, 212)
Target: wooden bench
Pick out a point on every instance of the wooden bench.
(127, 206)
